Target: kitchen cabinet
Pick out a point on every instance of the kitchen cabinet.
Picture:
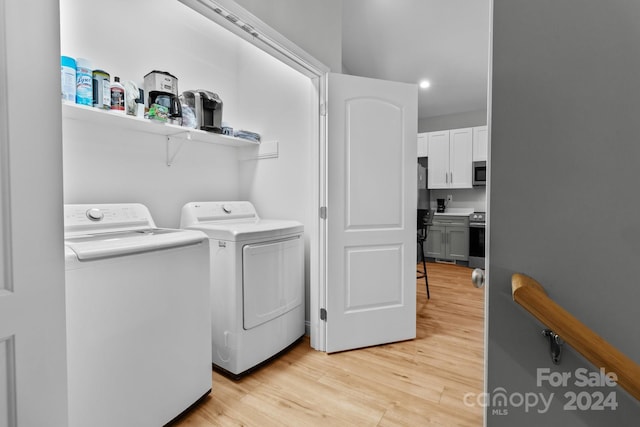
(448, 238)
(422, 145)
(450, 158)
(480, 143)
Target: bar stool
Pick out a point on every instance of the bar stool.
(422, 232)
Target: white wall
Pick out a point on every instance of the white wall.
(475, 198)
(282, 110)
(259, 93)
(315, 26)
(110, 165)
(199, 54)
(564, 191)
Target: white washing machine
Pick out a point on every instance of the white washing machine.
(138, 317)
(257, 282)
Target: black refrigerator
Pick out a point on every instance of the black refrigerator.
(423, 187)
(423, 203)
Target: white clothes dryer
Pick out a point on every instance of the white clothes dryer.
(138, 317)
(257, 282)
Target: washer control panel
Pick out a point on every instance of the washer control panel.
(95, 214)
(106, 218)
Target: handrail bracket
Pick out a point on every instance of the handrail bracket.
(555, 345)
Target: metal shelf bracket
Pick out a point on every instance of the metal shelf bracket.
(174, 147)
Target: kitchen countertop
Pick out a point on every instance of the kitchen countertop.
(456, 212)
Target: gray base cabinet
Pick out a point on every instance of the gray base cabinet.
(448, 238)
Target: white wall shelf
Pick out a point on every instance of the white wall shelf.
(107, 118)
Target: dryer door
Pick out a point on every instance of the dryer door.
(273, 279)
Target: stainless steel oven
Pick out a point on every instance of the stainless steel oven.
(479, 173)
(477, 239)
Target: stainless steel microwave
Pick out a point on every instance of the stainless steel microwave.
(479, 173)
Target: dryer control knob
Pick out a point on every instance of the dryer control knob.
(95, 214)
(226, 208)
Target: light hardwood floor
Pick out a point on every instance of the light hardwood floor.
(421, 382)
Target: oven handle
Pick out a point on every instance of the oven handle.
(476, 225)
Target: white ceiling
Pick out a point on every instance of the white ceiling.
(444, 41)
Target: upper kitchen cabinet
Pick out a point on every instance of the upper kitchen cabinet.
(423, 150)
(480, 143)
(450, 158)
(438, 163)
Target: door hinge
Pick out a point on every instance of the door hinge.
(323, 109)
(323, 212)
(323, 314)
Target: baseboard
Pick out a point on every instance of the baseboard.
(450, 261)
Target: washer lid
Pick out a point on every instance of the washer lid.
(107, 230)
(249, 230)
(103, 245)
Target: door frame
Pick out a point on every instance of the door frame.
(256, 32)
(280, 47)
(487, 235)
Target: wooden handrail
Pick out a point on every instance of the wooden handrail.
(531, 295)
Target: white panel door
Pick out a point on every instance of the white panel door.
(371, 246)
(460, 163)
(33, 371)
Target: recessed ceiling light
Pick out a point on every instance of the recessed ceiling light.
(424, 84)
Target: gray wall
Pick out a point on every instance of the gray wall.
(564, 197)
(315, 26)
(453, 121)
